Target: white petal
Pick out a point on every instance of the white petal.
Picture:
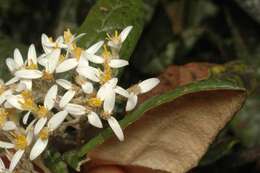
(53, 59)
(49, 100)
(22, 86)
(29, 137)
(109, 102)
(4, 95)
(123, 35)
(28, 74)
(83, 62)
(26, 117)
(89, 73)
(30, 127)
(94, 120)
(43, 60)
(102, 92)
(38, 148)
(16, 158)
(56, 120)
(64, 83)
(18, 58)
(118, 63)
(39, 125)
(32, 57)
(95, 47)
(75, 109)
(112, 82)
(6, 145)
(27, 83)
(94, 58)
(10, 64)
(115, 126)
(148, 84)
(87, 87)
(67, 98)
(9, 125)
(131, 102)
(12, 81)
(15, 101)
(67, 65)
(121, 91)
(78, 37)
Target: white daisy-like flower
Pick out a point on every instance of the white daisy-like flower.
(43, 136)
(20, 143)
(24, 71)
(49, 44)
(140, 88)
(78, 110)
(44, 111)
(116, 40)
(77, 55)
(108, 59)
(70, 39)
(107, 93)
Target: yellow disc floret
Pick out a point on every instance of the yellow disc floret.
(44, 133)
(20, 142)
(94, 102)
(3, 116)
(114, 38)
(28, 102)
(47, 76)
(42, 111)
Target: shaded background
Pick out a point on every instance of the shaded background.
(177, 32)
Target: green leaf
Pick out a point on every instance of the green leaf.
(53, 161)
(232, 82)
(108, 16)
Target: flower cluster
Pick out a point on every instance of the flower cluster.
(40, 98)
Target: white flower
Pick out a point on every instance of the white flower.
(70, 39)
(140, 88)
(20, 142)
(117, 40)
(49, 45)
(77, 55)
(24, 71)
(42, 142)
(108, 59)
(43, 112)
(107, 93)
(78, 110)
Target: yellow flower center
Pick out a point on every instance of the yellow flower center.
(42, 112)
(32, 66)
(47, 76)
(20, 142)
(77, 52)
(67, 36)
(44, 133)
(94, 102)
(114, 38)
(28, 102)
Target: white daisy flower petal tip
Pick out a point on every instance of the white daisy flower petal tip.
(148, 84)
(123, 35)
(115, 126)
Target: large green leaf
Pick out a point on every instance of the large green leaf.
(108, 16)
(232, 82)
